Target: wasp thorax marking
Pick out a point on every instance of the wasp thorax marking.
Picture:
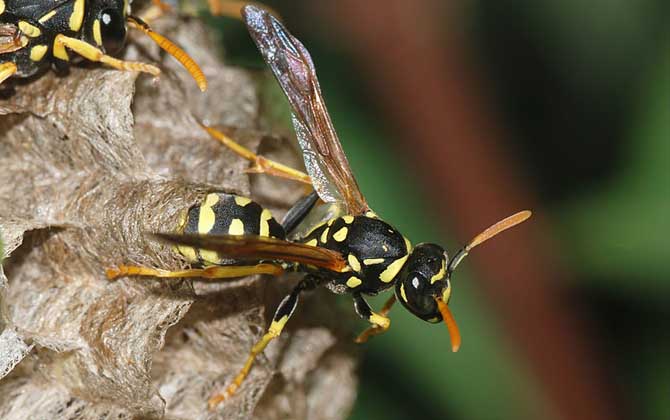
(31, 31)
(37, 52)
(341, 234)
(2, 6)
(393, 269)
(354, 282)
(354, 263)
(266, 216)
(311, 242)
(77, 16)
(47, 16)
(348, 219)
(324, 235)
(373, 261)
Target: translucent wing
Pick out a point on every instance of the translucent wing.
(292, 65)
(250, 247)
(10, 38)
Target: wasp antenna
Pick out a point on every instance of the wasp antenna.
(487, 234)
(172, 49)
(449, 320)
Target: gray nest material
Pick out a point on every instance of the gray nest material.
(88, 163)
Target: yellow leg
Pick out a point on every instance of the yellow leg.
(260, 163)
(281, 317)
(90, 52)
(379, 320)
(213, 272)
(7, 70)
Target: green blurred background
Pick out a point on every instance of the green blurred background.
(579, 95)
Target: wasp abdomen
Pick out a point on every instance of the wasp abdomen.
(222, 213)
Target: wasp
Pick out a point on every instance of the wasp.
(340, 244)
(35, 35)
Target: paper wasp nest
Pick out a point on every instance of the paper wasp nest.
(89, 162)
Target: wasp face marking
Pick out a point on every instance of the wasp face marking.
(422, 279)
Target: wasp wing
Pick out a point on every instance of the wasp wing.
(251, 247)
(292, 65)
(10, 38)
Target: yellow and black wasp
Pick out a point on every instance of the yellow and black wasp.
(37, 34)
(340, 244)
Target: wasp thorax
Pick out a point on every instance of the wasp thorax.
(422, 279)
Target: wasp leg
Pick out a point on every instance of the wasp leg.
(375, 330)
(260, 163)
(7, 70)
(299, 211)
(279, 320)
(90, 52)
(213, 272)
(380, 322)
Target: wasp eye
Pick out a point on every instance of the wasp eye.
(112, 30)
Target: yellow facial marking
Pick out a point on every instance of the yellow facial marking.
(46, 17)
(353, 282)
(30, 30)
(265, 226)
(393, 269)
(236, 227)
(37, 52)
(311, 242)
(373, 261)
(440, 274)
(59, 51)
(77, 16)
(341, 234)
(2, 6)
(324, 235)
(348, 219)
(97, 35)
(402, 292)
(354, 263)
(242, 201)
